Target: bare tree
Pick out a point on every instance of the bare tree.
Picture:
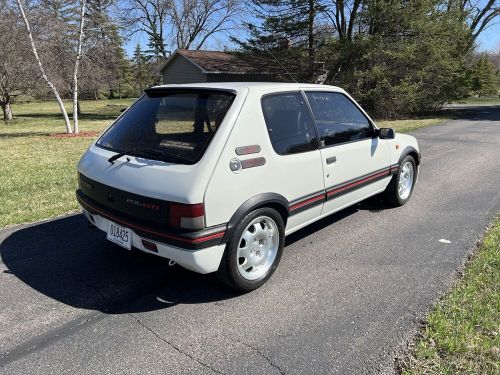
(195, 21)
(42, 70)
(14, 71)
(77, 63)
(148, 16)
(190, 22)
(479, 14)
(343, 15)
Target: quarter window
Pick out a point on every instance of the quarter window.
(289, 123)
(337, 118)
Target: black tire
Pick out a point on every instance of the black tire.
(391, 193)
(228, 270)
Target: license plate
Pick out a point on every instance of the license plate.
(120, 235)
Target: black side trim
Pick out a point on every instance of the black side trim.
(251, 204)
(394, 169)
(185, 240)
(357, 183)
(306, 202)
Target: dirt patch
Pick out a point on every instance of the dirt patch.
(73, 135)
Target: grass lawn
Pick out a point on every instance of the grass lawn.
(38, 171)
(485, 100)
(404, 126)
(462, 335)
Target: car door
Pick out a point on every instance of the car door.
(298, 170)
(355, 161)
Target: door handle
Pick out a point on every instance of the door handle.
(331, 160)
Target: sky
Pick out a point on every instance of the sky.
(489, 40)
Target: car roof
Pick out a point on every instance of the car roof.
(250, 86)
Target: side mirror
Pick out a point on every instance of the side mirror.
(386, 133)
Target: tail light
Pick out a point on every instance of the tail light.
(188, 216)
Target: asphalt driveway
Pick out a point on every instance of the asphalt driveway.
(350, 290)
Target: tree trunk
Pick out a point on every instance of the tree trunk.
(7, 110)
(76, 107)
(310, 43)
(42, 70)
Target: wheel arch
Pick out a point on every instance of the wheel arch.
(412, 151)
(272, 200)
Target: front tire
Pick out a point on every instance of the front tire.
(254, 252)
(400, 188)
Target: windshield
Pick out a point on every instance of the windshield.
(172, 126)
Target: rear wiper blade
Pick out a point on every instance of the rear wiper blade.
(117, 156)
(123, 153)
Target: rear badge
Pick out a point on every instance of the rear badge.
(137, 203)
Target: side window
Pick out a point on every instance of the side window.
(289, 123)
(337, 118)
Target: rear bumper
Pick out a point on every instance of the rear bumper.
(199, 251)
(202, 261)
(194, 240)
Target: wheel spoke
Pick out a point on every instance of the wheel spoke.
(258, 231)
(244, 252)
(247, 264)
(248, 237)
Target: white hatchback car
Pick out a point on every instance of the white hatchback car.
(214, 176)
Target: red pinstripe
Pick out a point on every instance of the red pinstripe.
(169, 236)
(307, 201)
(358, 182)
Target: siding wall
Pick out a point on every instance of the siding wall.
(183, 71)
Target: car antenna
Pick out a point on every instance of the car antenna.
(280, 64)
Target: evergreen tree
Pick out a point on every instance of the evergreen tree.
(483, 78)
(409, 58)
(287, 35)
(143, 77)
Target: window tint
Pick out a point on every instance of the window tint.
(171, 126)
(289, 123)
(337, 118)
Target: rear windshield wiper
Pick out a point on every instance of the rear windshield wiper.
(117, 156)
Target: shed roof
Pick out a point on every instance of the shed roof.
(217, 62)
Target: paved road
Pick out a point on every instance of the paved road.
(348, 293)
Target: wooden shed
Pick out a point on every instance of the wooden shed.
(191, 66)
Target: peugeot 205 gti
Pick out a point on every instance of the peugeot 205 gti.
(214, 176)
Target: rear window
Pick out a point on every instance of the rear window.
(174, 127)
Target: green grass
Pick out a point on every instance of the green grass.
(485, 100)
(462, 333)
(38, 172)
(404, 126)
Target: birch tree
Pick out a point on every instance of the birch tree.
(77, 63)
(41, 68)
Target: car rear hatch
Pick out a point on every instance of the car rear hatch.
(164, 162)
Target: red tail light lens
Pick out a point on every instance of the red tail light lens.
(188, 216)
